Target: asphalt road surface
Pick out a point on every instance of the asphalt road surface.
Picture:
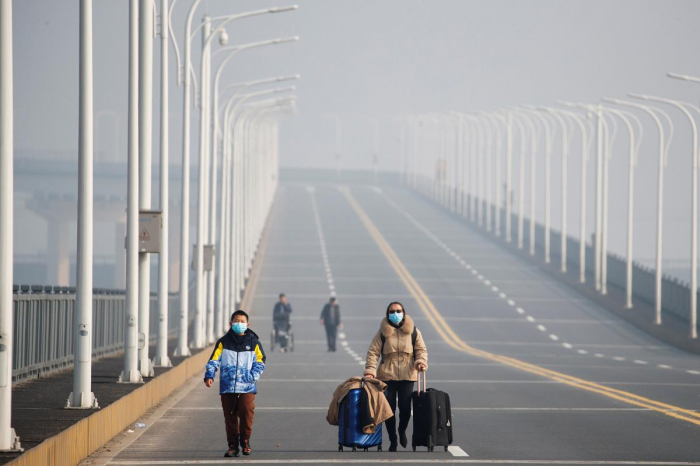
(536, 374)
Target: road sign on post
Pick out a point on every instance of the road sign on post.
(150, 228)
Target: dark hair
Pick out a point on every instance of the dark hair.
(391, 304)
(332, 299)
(240, 313)
(282, 295)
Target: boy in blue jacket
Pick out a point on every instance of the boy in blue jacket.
(241, 358)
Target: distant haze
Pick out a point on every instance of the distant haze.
(363, 60)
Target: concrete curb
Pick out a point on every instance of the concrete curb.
(80, 440)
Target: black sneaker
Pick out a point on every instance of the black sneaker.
(233, 452)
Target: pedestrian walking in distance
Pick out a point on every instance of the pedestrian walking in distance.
(395, 356)
(281, 321)
(241, 360)
(330, 319)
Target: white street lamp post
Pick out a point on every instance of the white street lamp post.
(694, 206)
(549, 136)
(509, 174)
(224, 274)
(161, 358)
(663, 154)
(633, 145)
(565, 142)
(184, 76)
(224, 291)
(498, 120)
(203, 163)
(602, 156)
(145, 125)
(521, 179)
(8, 439)
(584, 168)
(82, 396)
(521, 188)
(131, 373)
(693, 262)
(215, 307)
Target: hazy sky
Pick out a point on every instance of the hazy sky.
(381, 59)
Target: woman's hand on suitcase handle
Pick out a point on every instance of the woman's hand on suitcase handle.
(368, 376)
(420, 366)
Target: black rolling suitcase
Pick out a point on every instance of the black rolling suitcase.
(432, 417)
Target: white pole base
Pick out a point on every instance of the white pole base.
(148, 370)
(89, 403)
(162, 362)
(130, 377)
(182, 352)
(14, 441)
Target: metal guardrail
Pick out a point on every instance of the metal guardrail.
(675, 294)
(43, 316)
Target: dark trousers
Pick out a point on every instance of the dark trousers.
(331, 333)
(239, 410)
(401, 389)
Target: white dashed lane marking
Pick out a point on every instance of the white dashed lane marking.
(511, 302)
(329, 273)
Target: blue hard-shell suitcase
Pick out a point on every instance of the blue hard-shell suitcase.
(349, 426)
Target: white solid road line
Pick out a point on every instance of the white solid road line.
(456, 451)
(324, 408)
(388, 460)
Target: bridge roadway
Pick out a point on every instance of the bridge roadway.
(536, 373)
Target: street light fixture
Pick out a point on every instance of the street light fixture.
(223, 291)
(186, 73)
(601, 131)
(586, 141)
(683, 107)
(213, 323)
(550, 134)
(663, 158)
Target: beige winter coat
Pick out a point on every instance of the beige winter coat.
(399, 360)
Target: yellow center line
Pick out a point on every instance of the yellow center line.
(452, 339)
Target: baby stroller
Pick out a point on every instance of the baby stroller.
(282, 336)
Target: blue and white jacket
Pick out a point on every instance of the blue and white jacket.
(242, 363)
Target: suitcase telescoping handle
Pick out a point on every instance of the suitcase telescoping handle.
(422, 375)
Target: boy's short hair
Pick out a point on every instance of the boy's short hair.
(282, 295)
(333, 299)
(240, 313)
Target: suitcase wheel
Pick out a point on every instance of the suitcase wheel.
(445, 447)
(354, 448)
(431, 449)
(366, 449)
(340, 448)
(379, 448)
(414, 448)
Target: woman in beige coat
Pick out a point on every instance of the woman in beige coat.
(402, 350)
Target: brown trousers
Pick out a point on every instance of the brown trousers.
(238, 406)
